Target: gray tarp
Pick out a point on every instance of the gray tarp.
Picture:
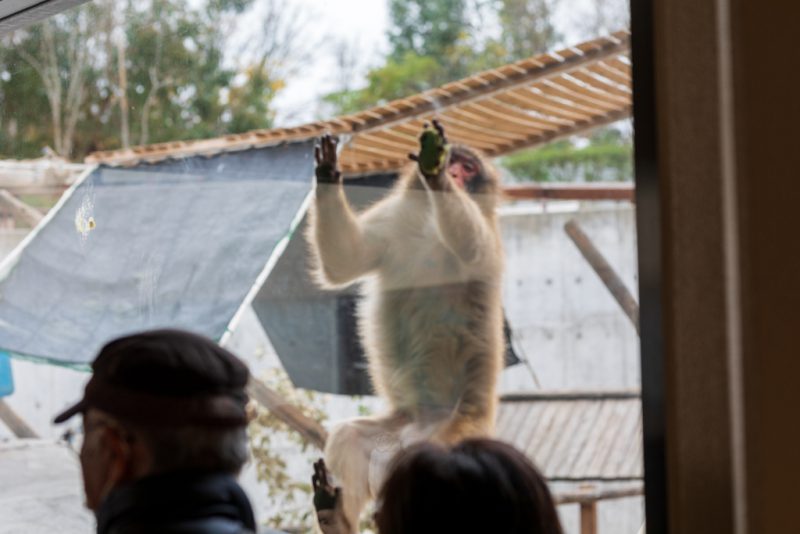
(178, 243)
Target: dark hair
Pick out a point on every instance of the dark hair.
(479, 486)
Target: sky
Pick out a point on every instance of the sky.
(363, 22)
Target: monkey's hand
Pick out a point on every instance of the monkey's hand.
(328, 502)
(327, 170)
(433, 149)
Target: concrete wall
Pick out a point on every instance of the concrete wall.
(564, 320)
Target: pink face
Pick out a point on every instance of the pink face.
(462, 170)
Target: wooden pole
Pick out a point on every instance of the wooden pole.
(21, 210)
(589, 517)
(13, 421)
(310, 429)
(604, 270)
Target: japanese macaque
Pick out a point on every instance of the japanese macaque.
(430, 258)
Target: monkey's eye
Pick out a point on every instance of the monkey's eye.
(469, 167)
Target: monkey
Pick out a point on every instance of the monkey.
(430, 260)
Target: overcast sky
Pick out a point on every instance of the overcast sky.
(362, 22)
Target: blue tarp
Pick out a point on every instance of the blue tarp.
(6, 378)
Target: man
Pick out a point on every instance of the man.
(164, 436)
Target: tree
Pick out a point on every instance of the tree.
(527, 27)
(430, 45)
(59, 53)
(112, 73)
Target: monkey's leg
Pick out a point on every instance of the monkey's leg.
(357, 453)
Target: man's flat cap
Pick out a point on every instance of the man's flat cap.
(166, 377)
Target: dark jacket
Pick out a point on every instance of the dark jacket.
(177, 503)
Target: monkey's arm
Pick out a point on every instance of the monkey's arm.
(345, 247)
(342, 245)
(462, 225)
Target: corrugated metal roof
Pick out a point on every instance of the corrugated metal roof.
(519, 105)
(576, 436)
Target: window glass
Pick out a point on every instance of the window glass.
(158, 169)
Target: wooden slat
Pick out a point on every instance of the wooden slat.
(603, 83)
(519, 115)
(380, 142)
(550, 446)
(374, 151)
(393, 136)
(549, 423)
(551, 66)
(577, 97)
(596, 427)
(594, 90)
(479, 123)
(513, 124)
(614, 418)
(633, 458)
(611, 466)
(525, 98)
(618, 76)
(576, 441)
(536, 140)
(533, 426)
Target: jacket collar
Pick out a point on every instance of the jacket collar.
(175, 497)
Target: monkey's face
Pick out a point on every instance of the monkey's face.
(462, 169)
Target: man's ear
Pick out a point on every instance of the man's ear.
(118, 446)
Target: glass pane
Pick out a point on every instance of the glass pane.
(158, 170)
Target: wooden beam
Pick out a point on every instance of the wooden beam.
(20, 210)
(572, 395)
(311, 431)
(593, 495)
(624, 192)
(526, 99)
(14, 422)
(605, 271)
(588, 517)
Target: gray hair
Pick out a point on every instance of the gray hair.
(195, 447)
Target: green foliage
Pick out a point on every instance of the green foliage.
(410, 75)
(563, 162)
(270, 438)
(527, 27)
(426, 28)
(111, 73)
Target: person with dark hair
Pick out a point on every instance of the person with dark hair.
(478, 486)
(164, 436)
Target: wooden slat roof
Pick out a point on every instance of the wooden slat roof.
(519, 105)
(576, 436)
